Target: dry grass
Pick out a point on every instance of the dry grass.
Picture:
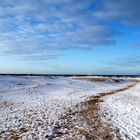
(101, 79)
(93, 79)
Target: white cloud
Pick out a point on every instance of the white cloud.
(40, 25)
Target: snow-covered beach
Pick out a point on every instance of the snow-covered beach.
(123, 109)
(32, 107)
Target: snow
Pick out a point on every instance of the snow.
(124, 111)
(36, 103)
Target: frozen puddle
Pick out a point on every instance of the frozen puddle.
(30, 107)
(124, 110)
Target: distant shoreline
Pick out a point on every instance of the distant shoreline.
(65, 75)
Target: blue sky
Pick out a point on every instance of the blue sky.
(70, 36)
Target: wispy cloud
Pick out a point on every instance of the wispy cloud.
(126, 62)
(124, 11)
(32, 26)
(38, 26)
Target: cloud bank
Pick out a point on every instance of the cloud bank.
(33, 27)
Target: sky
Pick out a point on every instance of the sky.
(70, 36)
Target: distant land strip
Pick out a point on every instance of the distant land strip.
(65, 75)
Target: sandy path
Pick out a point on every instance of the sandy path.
(87, 121)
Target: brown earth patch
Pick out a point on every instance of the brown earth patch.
(14, 134)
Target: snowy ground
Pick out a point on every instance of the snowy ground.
(123, 109)
(30, 107)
